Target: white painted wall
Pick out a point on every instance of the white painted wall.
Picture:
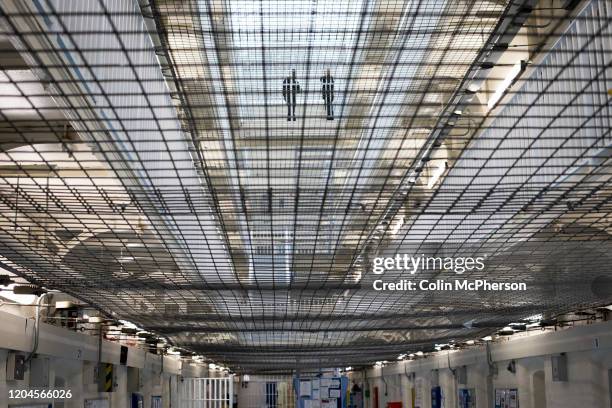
(589, 359)
(78, 376)
(72, 361)
(588, 350)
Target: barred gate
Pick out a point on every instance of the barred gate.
(207, 393)
(266, 391)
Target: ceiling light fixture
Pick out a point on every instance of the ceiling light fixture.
(135, 245)
(17, 297)
(514, 72)
(398, 225)
(437, 173)
(506, 331)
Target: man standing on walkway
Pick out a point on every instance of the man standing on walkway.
(327, 93)
(291, 88)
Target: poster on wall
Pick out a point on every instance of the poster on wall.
(97, 403)
(467, 398)
(329, 403)
(305, 388)
(506, 398)
(418, 393)
(513, 399)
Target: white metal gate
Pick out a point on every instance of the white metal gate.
(207, 393)
(266, 391)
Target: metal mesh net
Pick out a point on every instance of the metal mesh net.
(223, 173)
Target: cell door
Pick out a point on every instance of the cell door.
(271, 395)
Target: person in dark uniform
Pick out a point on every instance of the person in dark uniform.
(291, 88)
(327, 93)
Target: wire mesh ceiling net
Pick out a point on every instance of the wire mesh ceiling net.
(224, 172)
